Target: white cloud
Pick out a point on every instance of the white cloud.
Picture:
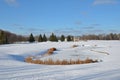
(11, 2)
(100, 2)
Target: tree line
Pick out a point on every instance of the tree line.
(8, 37)
(52, 37)
(110, 36)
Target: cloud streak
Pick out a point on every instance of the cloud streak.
(101, 2)
(18, 26)
(92, 26)
(89, 27)
(11, 2)
(78, 23)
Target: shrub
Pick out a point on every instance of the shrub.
(50, 51)
(74, 46)
(53, 49)
(28, 59)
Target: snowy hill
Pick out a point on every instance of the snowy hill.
(13, 67)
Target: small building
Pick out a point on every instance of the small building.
(65, 40)
(76, 38)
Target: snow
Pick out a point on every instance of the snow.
(13, 67)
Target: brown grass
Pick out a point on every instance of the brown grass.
(50, 51)
(28, 59)
(74, 46)
(60, 62)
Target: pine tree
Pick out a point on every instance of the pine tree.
(40, 39)
(56, 39)
(6, 40)
(115, 37)
(62, 38)
(69, 38)
(31, 38)
(44, 38)
(111, 35)
(3, 38)
(53, 37)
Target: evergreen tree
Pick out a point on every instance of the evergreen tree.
(6, 40)
(31, 38)
(69, 38)
(56, 39)
(3, 38)
(62, 38)
(0, 38)
(111, 35)
(40, 39)
(119, 36)
(116, 37)
(53, 37)
(44, 38)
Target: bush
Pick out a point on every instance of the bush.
(28, 59)
(74, 46)
(50, 51)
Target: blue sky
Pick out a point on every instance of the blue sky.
(69, 17)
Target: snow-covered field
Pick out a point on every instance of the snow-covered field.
(13, 67)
